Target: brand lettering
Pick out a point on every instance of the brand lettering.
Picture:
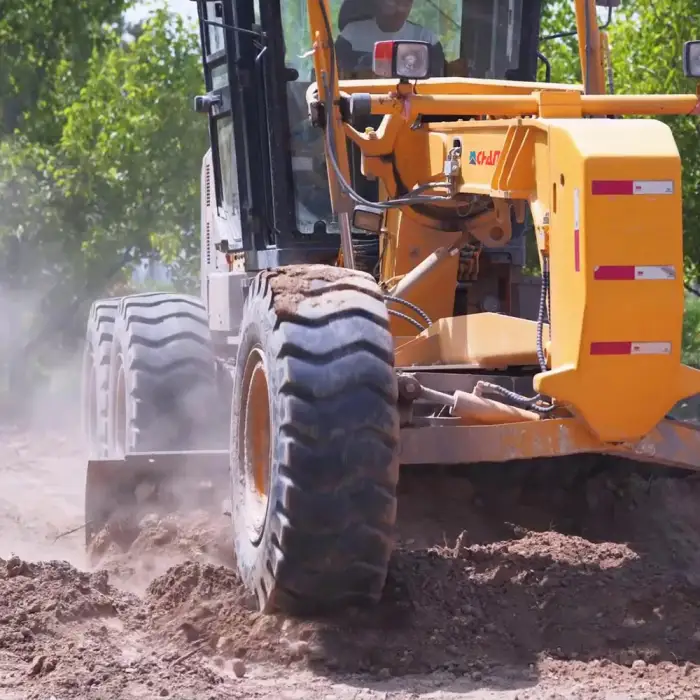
(483, 157)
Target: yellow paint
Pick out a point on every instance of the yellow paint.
(534, 147)
(592, 73)
(621, 397)
(484, 341)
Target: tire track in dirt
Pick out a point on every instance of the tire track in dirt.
(547, 583)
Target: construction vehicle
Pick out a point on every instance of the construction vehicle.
(363, 301)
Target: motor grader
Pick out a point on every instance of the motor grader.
(371, 183)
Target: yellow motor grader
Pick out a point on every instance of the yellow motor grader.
(375, 169)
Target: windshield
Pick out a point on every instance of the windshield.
(470, 38)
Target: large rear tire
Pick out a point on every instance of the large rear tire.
(95, 376)
(162, 395)
(315, 434)
(163, 384)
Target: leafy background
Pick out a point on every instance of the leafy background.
(100, 150)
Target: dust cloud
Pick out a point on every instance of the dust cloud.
(574, 580)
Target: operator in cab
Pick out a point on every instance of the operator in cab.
(363, 23)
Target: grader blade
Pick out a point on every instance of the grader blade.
(672, 444)
(120, 492)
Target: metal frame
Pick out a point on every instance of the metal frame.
(256, 95)
(672, 443)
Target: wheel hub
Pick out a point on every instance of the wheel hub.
(256, 444)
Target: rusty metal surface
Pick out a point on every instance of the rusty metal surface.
(672, 443)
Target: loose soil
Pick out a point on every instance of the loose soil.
(539, 581)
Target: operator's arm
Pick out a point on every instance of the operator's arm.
(349, 60)
(344, 54)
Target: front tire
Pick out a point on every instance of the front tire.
(315, 434)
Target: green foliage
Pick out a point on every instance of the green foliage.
(691, 332)
(123, 171)
(103, 164)
(36, 38)
(558, 18)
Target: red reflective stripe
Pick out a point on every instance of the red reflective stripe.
(611, 348)
(384, 50)
(577, 250)
(612, 186)
(614, 272)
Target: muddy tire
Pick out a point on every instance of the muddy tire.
(315, 434)
(95, 375)
(162, 383)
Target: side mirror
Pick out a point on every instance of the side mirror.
(607, 3)
(203, 104)
(691, 59)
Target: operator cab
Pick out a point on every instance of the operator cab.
(268, 160)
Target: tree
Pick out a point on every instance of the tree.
(123, 172)
(115, 172)
(35, 38)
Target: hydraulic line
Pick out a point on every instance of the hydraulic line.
(408, 318)
(542, 314)
(410, 305)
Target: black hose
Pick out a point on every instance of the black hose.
(542, 313)
(414, 307)
(408, 318)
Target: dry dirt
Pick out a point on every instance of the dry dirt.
(567, 584)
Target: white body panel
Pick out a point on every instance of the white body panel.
(222, 291)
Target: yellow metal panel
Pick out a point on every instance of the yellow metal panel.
(482, 340)
(408, 242)
(621, 396)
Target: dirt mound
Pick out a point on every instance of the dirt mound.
(36, 598)
(72, 634)
(159, 542)
(203, 602)
(591, 575)
(485, 577)
(527, 577)
(58, 621)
